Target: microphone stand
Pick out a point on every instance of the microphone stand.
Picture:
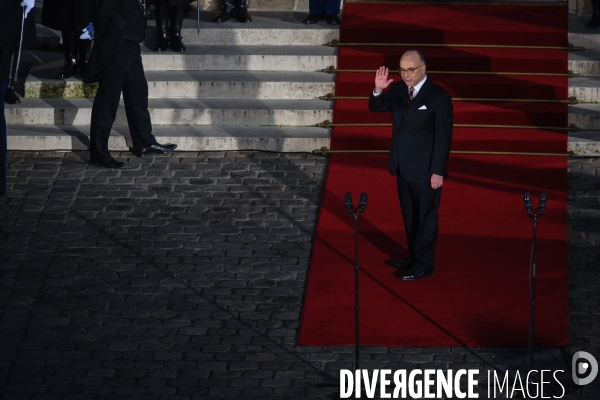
(355, 212)
(534, 214)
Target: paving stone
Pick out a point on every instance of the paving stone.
(114, 311)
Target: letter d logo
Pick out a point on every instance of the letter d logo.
(580, 368)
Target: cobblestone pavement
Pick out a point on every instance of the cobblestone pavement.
(182, 277)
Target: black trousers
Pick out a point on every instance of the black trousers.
(123, 73)
(420, 204)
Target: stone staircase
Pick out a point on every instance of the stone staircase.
(238, 86)
(243, 86)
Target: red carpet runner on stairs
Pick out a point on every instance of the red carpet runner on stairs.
(479, 295)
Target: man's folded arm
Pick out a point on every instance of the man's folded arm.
(443, 135)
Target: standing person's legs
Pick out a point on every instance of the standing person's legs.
(161, 10)
(135, 98)
(106, 103)
(332, 7)
(426, 238)
(3, 145)
(410, 214)
(316, 7)
(176, 16)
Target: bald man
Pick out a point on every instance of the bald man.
(421, 136)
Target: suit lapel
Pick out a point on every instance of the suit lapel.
(418, 101)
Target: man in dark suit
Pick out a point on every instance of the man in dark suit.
(116, 62)
(421, 136)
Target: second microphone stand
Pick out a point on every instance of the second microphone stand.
(355, 212)
(534, 214)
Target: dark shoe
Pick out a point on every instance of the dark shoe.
(112, 163)
(417, 272)
(69, 70)
(241, 11)
(403, 263)
(333, 19)
(11, 97)
(161, 43)
(177, 43)
(312, 19)
(156, 149)
(227, 11)
(594, 22)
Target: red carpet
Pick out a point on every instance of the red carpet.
(479, 295)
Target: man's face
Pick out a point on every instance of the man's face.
(408, 61)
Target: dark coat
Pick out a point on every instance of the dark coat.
(422, 132)
(112, 18)
(68, 15)
(10, 28)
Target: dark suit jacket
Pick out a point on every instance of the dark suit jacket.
(11, 14)
(62, 14)
(110, 24)
(421, 132)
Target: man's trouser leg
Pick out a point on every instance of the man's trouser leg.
(332, 7)
(420, 219)
(106, 103)
(135, 97)
(124, 72)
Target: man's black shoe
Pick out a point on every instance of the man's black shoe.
(11, 97)
(156, 149)
(112, 163)
(417, 272)
(312, 19)
(333, 19)
(403, 263)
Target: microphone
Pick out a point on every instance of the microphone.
(542, 206)
(363, 201)
(348, 202)
(527, 200)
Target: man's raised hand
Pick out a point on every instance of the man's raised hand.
(381, 79)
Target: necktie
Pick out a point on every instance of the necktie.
(411, 91)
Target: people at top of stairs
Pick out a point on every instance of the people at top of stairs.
(70, 17)
(169, 21)
(323, 9)
(233, 8)
(29, 41)
(594, 22)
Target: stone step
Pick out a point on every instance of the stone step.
(213, 58)
(579, 35)
(585, 63)
(584, 143)
(212, 5)
(187, 138)
(585, 116)
(205, 84)
(267, 28)
(586, 89)
(224, 111)
(220, 138)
